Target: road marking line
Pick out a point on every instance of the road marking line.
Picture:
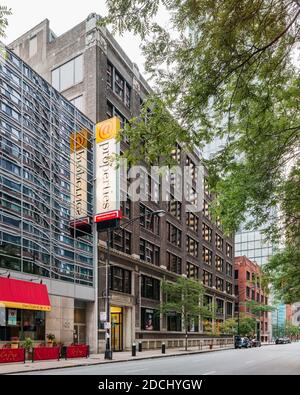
(249, 361)
(207, 373)
(135, 370)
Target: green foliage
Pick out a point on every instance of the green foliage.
(283, 271)
(291, 329)
(258, 308)
(185, 297)
(247, 326)
(4, 13)
(229, 326)
(50, 336)
(223, 70)
(27, 344)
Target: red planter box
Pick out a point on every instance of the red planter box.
(44, 353)
(78, 351)
(9, 355)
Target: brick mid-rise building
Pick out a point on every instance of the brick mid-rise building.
(248, 288)
(89, 68)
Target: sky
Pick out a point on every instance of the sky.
(63, 15)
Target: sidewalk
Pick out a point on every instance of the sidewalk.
(97, 359)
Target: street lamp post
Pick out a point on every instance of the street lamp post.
(108, 350)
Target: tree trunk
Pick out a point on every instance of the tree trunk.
(186, 340)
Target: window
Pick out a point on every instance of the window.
(206, 232)
(193, 325)
(192, 222)
(174, 234)
(120, 279)
(248, 276)
(150, 288)
(236, 274)
(192, 246)
(220, 306)
(207, 278)
(32, 46)
(228, 250)
(207, 256)
(121, 241)
(229, 308)
(229, 269)
(228, 288)
(253, 294)
(219, 264)
(219, 242)
(176, 153)
(149, 252)
(174, 263)
(192, 168)
(118, 84)
(219, 284)
(109, 73)
(174, 322)
(206, 211)
(207, 300)
(112, 111)
(206, 188)
(192, 271)
(174, 207)
(78, 102)
(148, 221)
(126, 207)
(68, 74)
(248, 292)
(150, 319)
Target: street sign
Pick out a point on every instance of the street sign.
(106, 325)
(102, 315)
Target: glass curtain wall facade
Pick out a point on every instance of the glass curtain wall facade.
(36, 179)
(254, 245)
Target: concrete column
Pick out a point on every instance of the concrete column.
(60, 320)
(91, 327)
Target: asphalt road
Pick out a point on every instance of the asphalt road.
(283, 359)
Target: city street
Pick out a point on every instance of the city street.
(273, 360)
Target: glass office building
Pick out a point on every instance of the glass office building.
(36, 184)
(254, 245)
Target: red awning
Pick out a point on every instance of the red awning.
(24, 295)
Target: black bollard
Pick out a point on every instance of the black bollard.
(133, 349)
(140, 346)
(163, 348)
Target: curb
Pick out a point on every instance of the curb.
(116, 361)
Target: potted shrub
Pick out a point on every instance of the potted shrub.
(28, 345)
(50, 339)
(14, 342)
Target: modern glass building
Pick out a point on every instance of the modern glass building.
(37, 182)
(254, 245)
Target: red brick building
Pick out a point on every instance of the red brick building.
(248, 288)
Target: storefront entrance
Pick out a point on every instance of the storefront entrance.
(116, 319)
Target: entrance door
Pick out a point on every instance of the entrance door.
(116, 319)
(79, 336)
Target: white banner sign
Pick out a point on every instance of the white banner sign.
(107, 171)
(78, 143)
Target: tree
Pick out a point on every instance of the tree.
(224, 69)
(4, 13)
(291, 330)
(185, 297)
(283, 271)
(229, 326)
(247, 326)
